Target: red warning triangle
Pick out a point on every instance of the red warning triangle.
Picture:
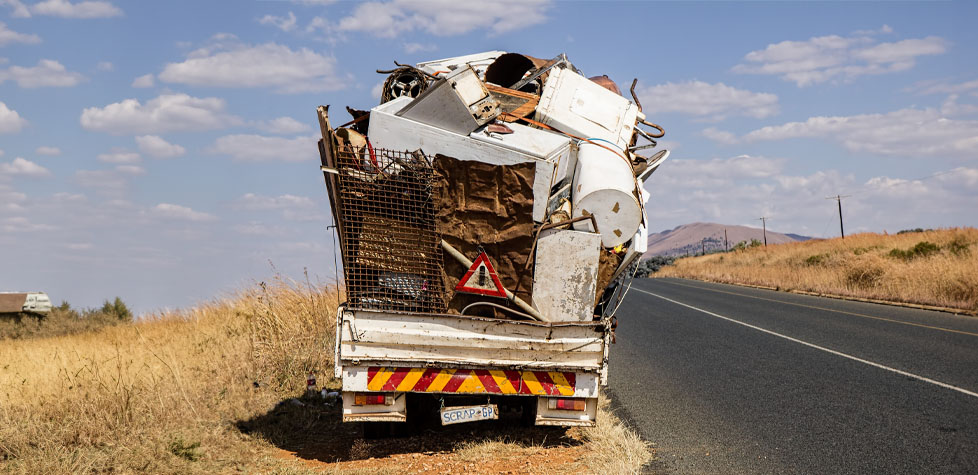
(481, 279)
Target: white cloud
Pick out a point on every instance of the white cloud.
(720, 136)
(18, 9)
(155, 146)
(702, 172)
(65, 197)
(253, 202)
(8, 36)
(20, 224)
(104, 181)
(119, 156)
(741, 189)
(255, 228)
(824, 58)
(10, 120)
(439, 17)
(105, 66)
(411, 48)
(47, 73)
(948, 88)
(177, 212)
(377, 90)
(145, 80)
(49, 151)
(230, 64)
(282, 23)
(166, 113)
(906, 133)
(282, 125)
(950, 107)
(131, 169)
(708, 101)
(257, 148)
(20, 166)
(85, 9)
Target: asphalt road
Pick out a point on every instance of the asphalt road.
(727, 379)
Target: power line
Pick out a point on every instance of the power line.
(838, 198)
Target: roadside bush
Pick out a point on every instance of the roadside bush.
(959, 246)
(817, 259)
(652, 265)
(64, 320)
(117, 308)
(864, 275)
(921, 249)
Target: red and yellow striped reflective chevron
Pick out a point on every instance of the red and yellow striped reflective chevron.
(542, 383)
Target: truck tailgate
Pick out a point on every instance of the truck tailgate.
(369, 336)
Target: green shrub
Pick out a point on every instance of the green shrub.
(959, 246)
(921, 249)
(817, 259)
(117, 308)
(64, 320)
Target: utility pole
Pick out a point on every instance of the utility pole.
(703, 243)
(726, 246)
(764, 224)
(838, 198)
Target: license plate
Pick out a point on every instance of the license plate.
(455, 415)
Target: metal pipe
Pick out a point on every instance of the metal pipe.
(501, 307)
(509, 295)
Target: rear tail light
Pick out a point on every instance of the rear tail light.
(372, 399)
(563, 404)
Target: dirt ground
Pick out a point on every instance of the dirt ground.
(312, 433)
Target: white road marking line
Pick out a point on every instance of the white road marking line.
(812, 345)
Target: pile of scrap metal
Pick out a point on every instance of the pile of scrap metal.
(494, 184)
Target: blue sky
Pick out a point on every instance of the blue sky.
(165, 151)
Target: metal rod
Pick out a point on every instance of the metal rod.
(509, 295)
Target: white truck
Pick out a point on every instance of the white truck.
(487, 213)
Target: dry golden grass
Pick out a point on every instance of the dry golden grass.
(163, 394)
(937, 268)
(613, 447)
(176, 393)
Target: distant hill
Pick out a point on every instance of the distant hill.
(689, 238)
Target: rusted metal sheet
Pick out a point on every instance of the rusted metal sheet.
(566, 274)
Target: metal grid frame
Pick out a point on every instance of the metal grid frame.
(392, 254)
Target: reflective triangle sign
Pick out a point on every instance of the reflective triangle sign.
(481, 279)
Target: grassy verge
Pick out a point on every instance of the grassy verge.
(217, 388)
(938, 268)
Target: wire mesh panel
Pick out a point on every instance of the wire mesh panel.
(392, 253)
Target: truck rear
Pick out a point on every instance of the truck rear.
(489, 214)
